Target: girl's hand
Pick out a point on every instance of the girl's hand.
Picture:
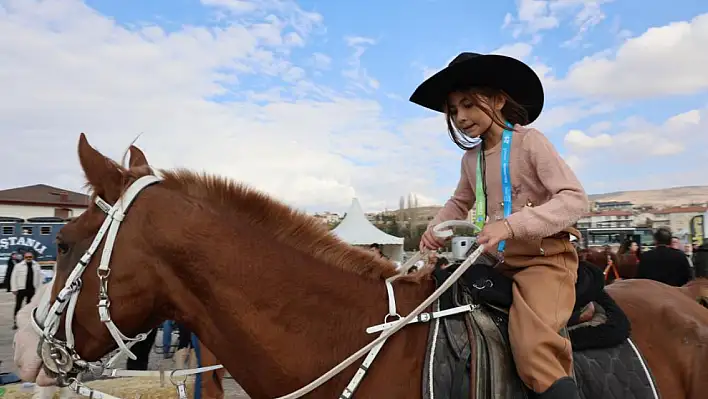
(493, 233)
(429, 242)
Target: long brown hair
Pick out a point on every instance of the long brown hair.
(512, 112)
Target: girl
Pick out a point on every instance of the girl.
(526, 199)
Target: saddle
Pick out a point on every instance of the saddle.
(469, 355)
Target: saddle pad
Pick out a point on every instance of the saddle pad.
(613, 373)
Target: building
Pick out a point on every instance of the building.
(602, 206)
(41, 200)
(677, 218)
(328, 217)
(605, 219)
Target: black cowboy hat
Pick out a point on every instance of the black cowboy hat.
(512, 76)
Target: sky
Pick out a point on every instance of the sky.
(308, 100)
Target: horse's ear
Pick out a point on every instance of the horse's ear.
(102, 174)
(137, 158)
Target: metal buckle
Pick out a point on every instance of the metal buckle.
(487, 284)
(396, 315)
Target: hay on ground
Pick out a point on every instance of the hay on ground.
(126, 388)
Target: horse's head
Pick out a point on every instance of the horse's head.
(105, 289)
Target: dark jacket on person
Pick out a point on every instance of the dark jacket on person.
(665, 264)
(8, 272)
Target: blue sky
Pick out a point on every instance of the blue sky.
(307, 100)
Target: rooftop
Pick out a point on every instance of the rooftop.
(42, 194)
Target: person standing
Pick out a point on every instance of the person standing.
(664, 263)
(25, 279)
(11, 261)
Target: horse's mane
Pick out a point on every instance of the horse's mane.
(288, 226)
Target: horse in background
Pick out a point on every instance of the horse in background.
(605, 259)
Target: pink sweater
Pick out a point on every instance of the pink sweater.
(546, 195)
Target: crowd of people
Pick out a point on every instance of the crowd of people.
(669, 262)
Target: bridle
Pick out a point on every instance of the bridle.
(60, 359)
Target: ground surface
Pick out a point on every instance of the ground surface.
(232, 390)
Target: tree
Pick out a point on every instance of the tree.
(401, 209)
(333, 225)
(392, 228)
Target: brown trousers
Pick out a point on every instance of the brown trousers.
(544, 273)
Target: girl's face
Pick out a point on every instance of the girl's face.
(467, 114)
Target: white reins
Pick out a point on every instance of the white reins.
(61, 358)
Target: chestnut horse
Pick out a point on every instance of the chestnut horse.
(603, 258)
(300, 302)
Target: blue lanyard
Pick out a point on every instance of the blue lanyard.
(481, 199)
(506, 176)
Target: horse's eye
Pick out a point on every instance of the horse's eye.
(62, 248)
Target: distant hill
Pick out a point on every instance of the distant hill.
(674, 196)
(662, 198)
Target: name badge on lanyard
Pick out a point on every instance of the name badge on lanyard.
(480, 196)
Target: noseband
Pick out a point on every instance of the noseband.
(59, 357)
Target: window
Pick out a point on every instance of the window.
(8, 230)
(45, 230)
(27, 230)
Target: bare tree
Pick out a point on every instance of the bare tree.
(401, 209)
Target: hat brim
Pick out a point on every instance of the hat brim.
(512, 76)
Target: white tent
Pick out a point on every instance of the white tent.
(355, 229)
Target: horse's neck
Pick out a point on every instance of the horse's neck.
(278, 318)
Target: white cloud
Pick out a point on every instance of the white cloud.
(690, 118)
(67, 69)
(321, 61)
(425, 70)
(517, 50)
(353, 41)
(667, 60)
(576, 140)
(293, 39)
(357, 74)
(639, 139)
(571, 112)
(236, 6)
(303, 22)
(535, 16)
